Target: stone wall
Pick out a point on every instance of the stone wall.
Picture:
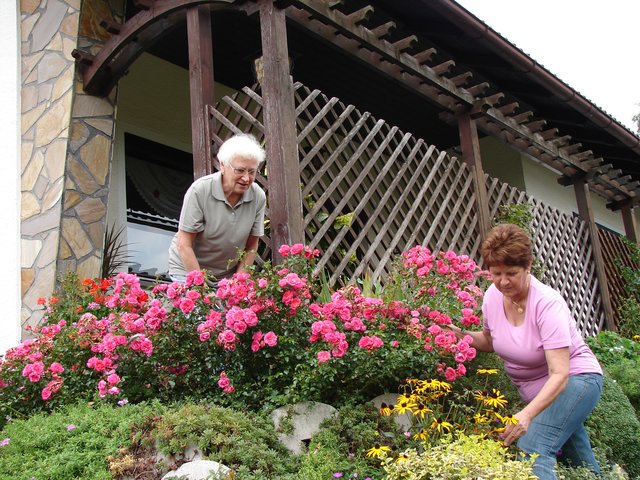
(66, 146)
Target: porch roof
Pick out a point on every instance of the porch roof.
(416, 63)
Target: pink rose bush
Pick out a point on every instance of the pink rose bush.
(260, 337)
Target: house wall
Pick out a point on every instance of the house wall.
(66, 147)
(48, 35)
(540, 182)
(10, 175)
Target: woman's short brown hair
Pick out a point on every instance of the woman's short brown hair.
(507, 244)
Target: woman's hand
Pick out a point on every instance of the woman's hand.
(513, 432)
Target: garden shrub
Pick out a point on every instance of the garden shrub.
(629, 310)
(614, 428)
(629, 318)
(460, 457)
(259, 337)
(620, 356)
(326, 459)
(232, 437)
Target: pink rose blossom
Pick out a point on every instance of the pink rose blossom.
(323, 356)
(55, 367)
(297, 249)
(271, 339)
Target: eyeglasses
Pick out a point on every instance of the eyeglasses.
(252, 172)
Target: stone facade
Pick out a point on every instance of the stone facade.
(66, 146)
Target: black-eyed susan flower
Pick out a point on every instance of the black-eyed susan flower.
(495, 400)
(404, 406)
(421, 435)
(385, 409)
(405, 398)
(438, 385)
(420, 410)
(487, 371)
(377, 450)
(440, 425)
(480, 419)
(481, 395)
(506, 419)
(402, 458)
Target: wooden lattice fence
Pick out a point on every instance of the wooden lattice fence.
(614, 249)
(371, 191)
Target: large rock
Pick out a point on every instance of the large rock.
(199, 470)
(305, 418)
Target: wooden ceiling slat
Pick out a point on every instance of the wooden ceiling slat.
(405, 44)
(383, 30)
(425, 55)
(461, 79)
(443, 67)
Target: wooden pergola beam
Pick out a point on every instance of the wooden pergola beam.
(470, 146)
(280, 131)
(585, 212)
(201, 86)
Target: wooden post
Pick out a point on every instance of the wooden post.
(585, 212)
(471, 155)
(285, 195)
(629, 221)
(200, 86)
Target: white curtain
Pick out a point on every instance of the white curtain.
(163, 188)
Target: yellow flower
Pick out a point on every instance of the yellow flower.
(421, 435)
(480, 419)
(488, 371)
(496, 400)
(402, 458)
(441, 425)
(506, 419)
(636, 338)
(437, 385)
(377, 450)
(403, 407)
(420, 410)
(405, 398)
(385, 409)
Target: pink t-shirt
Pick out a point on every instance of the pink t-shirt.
(548, 324)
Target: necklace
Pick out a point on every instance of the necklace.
(518, 306)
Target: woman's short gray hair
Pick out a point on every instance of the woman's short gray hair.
(243, 145)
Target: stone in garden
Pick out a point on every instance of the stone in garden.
(403, 421)
(199, 470)
(299, 422)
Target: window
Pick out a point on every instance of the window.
(157, 177)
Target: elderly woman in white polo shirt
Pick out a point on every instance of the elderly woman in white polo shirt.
(222, 215)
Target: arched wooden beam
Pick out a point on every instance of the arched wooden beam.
(136, 36)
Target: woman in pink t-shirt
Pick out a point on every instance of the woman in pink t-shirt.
(529, 325)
